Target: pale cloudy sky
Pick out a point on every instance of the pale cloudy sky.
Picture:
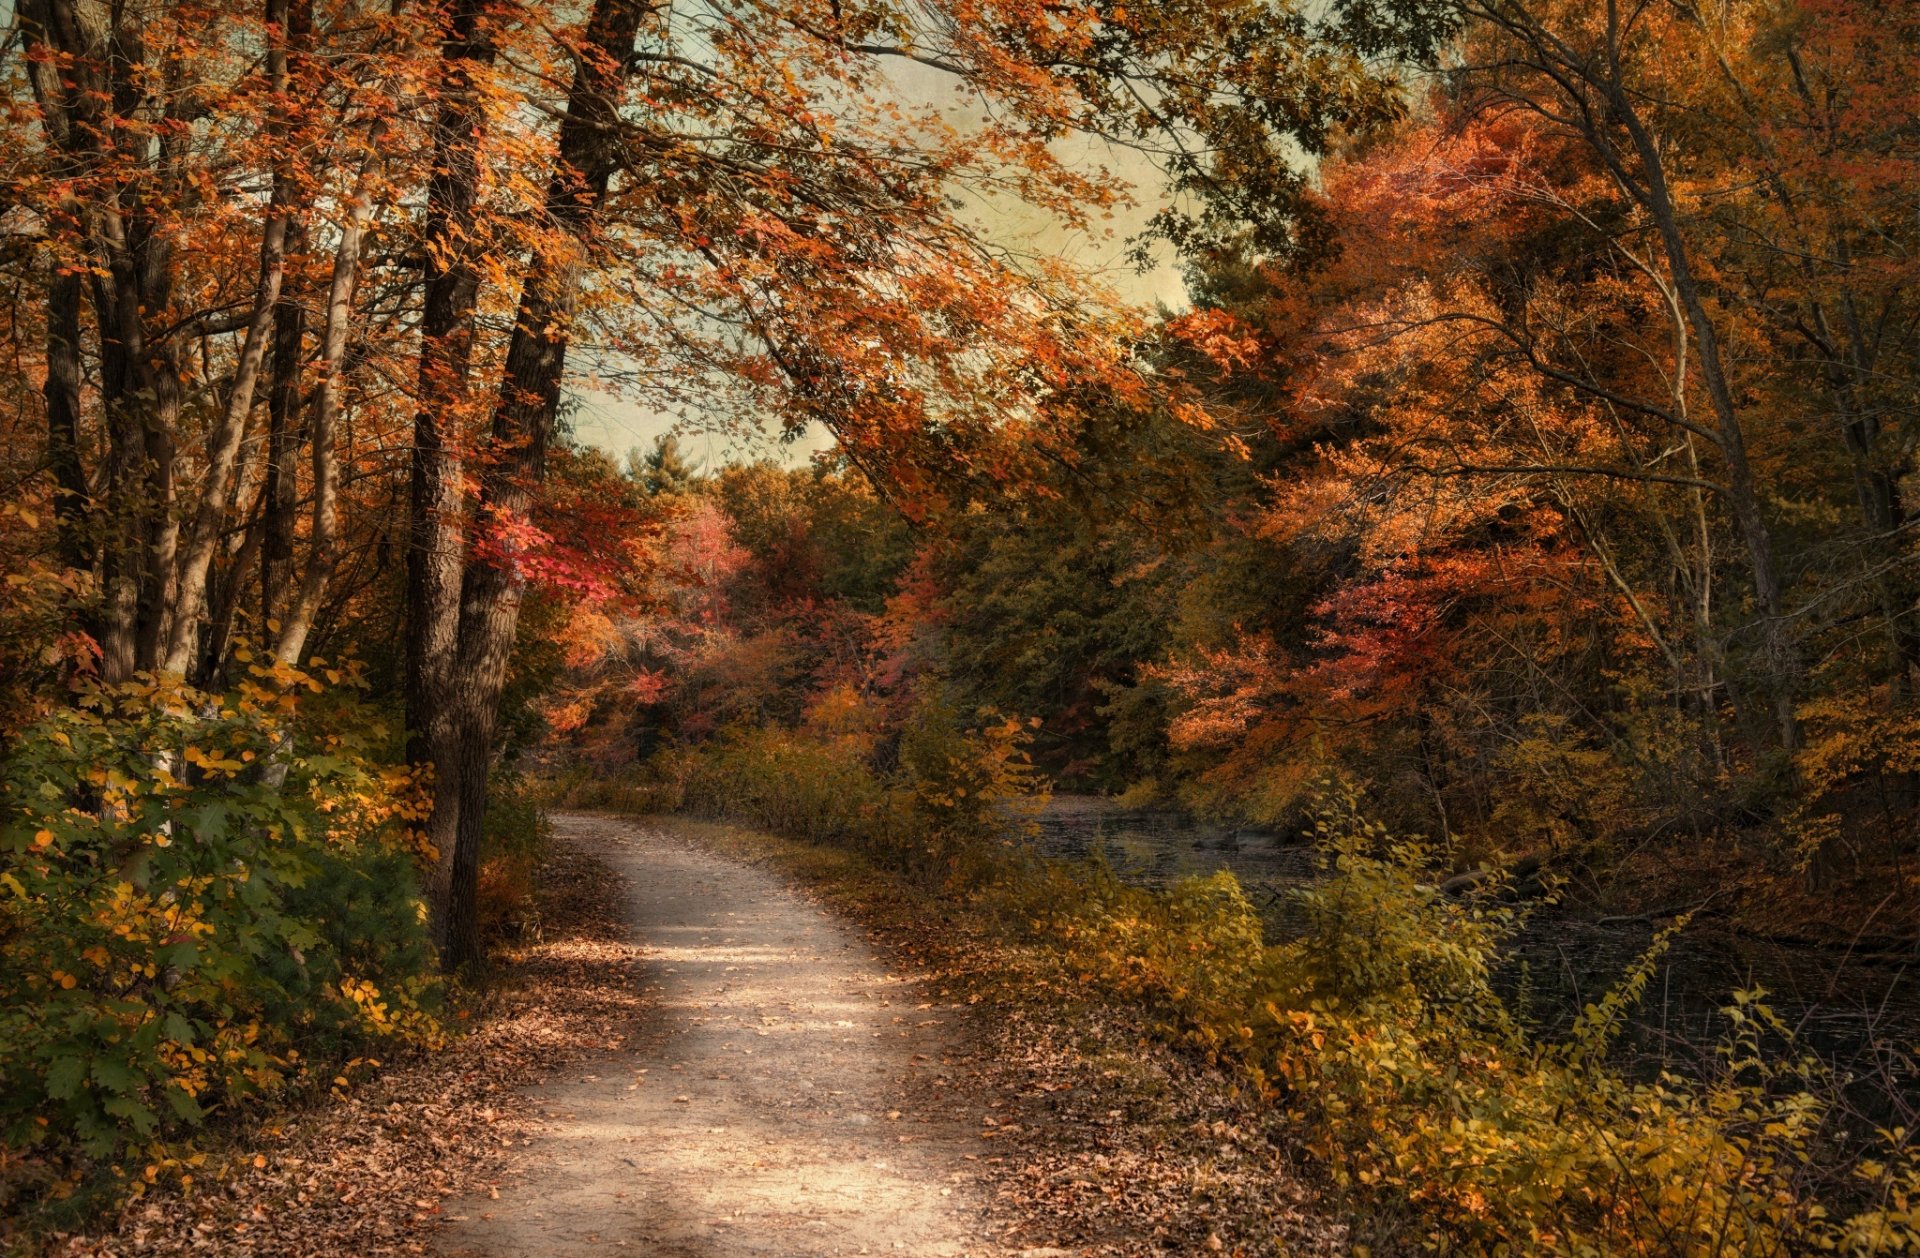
(619, 425)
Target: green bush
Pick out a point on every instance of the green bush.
(798, 786)
(201, 900)
(513, 843)
(654, 786)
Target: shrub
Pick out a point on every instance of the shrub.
(970, 784)
(513, 843)
(657, 785)
(955, 797)
(1192, 953)
(201, 899)
(1381, 1032)
(806, 788)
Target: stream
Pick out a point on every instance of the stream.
(1860, 1013)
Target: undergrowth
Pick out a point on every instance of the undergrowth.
(514, 844)
(205, 900)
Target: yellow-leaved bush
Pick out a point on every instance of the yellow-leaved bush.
(202, 898)
(1380, 1030)
(1852, 748)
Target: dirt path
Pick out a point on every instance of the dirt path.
(768, 1114)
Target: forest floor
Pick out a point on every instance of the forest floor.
(362, 1168)
(713, 1042)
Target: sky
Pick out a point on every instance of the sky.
(618, 425)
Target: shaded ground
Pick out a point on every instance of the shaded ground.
(788, 1102)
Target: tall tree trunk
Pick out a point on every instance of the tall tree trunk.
(282, 490)
(226, 593)
(1851, 378)
(189, 602)
(1780, 670)
(322, 541)
(281, 501)
(436, 541)
(522, 426)
(1876, 491)
(1598, 101)
(71, 48)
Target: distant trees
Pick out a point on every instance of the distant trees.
(663, 469)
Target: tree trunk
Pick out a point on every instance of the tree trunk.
(71, 47)
(225, 594)
(62, 393)
(282, 491)
(323, 541)
(522, 425)
(436, 543)
(189, 601)
(1780, 665)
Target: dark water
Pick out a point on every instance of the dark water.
(1858, 1011)
(1156, 848)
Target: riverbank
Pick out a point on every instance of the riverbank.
(1849, 993)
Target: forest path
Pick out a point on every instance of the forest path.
(785, 1101)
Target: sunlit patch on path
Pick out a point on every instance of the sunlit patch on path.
(764, 1116)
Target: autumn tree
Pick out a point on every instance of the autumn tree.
(297, 265)
(739, 178)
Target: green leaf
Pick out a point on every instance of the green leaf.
(143, 1118)
(114, 1076)
(184, 1105)
(178, 1029)
(210, 821)
(65, 1076)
